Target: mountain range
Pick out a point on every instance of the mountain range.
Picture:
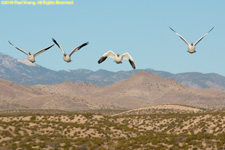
(26, 73)
(140, 90)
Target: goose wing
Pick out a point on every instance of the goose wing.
(18, 48)
(202, 37)
(58, 45)
(41, 51)
(107, 54)
(77, 48)
(179, 36)
(127, 56)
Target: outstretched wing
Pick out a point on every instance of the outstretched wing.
(41, 51)
(77, 48)
(203, 37)
(179, 36)
(18, 48)
(107, 54)
(127, 56)
(58, 45)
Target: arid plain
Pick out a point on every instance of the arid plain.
(144, 111)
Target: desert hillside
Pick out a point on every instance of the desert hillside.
(141, 90)
(15, 96)
(162, 109)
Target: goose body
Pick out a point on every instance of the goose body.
(191, 47)
(67, 57)
(31, 57)
(117, 58)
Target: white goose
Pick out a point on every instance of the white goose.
(66, 57)
(117, 58)
(31, 57)
(191, 47)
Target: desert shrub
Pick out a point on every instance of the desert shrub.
(33, 118)
(5, 133)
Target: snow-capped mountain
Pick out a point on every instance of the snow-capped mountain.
(26, 73)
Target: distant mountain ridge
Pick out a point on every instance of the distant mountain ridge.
(20, 71)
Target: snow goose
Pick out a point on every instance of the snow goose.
(31, 57)
(67, 57)
(117, 58)
(191, 47)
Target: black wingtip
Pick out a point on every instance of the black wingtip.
(211, 29)
(172, 29)
(132, 64)
(85, 43)
(51, 46)
(53, 40)
(101, 60)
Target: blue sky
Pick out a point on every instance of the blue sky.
(140, 27)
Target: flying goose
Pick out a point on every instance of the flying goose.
(31, 57)
(66, 57)
(191, 47)
(117, 58)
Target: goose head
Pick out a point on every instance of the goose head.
(117, 54)
(64, 55)
(192, 44)
(29, 53)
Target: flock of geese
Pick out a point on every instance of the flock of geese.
(117, 57)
